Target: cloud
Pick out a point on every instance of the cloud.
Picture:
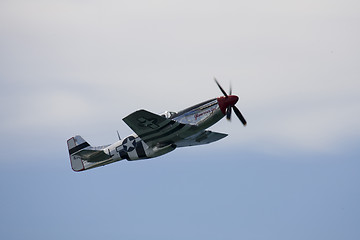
(295, 67)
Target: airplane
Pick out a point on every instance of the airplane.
(156, 135)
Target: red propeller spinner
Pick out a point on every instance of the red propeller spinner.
(227, 103)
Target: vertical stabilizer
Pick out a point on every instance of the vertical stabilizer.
(76, 144)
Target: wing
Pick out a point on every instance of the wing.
(154, 129)
(203, 137)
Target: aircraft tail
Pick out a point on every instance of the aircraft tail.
(83, 156)
(76, 144)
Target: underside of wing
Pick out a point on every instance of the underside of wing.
(154, 129)
(201, 138)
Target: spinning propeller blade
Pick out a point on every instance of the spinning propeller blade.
(230, 102)
(228, 113)
(222, 90)
(239, 115)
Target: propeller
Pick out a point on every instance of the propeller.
(228, 102)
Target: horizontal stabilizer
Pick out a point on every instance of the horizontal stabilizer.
(92, 155)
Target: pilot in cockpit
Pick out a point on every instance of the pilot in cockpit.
(168, 114)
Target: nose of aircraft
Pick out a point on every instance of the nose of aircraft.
(225, 102)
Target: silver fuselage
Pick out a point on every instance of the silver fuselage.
(196, 119)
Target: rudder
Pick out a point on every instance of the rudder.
(75, 144)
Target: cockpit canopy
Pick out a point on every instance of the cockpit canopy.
(168, 114)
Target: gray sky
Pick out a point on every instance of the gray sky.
(79, 67)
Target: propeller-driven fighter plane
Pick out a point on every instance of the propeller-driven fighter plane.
(156, 135)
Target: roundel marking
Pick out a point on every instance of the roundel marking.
(129, 144)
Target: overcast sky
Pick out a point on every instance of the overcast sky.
(79, 67)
